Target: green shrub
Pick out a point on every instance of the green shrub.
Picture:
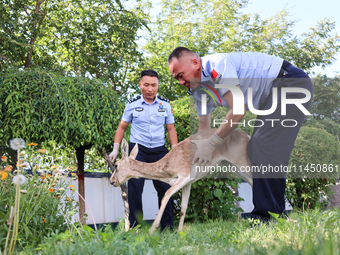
(313, 146)
(42, 106)
(180, 108)
(210, 199)
(330, 126)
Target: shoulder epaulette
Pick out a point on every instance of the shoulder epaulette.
(164, 99)
(134, 99)
(204, 72)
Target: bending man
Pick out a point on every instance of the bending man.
(268, 78)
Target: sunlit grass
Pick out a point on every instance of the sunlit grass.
(313, 232)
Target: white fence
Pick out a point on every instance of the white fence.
(106, 204)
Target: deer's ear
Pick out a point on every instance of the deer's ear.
(125, 148)
(134, 152)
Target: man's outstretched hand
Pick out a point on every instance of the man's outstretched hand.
(114, 153)
(206, 148)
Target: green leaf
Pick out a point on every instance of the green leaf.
(218, 193)
(182, 234)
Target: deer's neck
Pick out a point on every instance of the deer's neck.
(154, 170)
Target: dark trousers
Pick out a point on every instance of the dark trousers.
(136, 186)
(272, 146)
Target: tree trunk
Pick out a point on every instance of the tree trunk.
(80, 153)
(334, 200)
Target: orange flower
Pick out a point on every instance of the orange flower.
(43, 219)
(8, 168)
(21, 165)
(4, 175)
(42, 151)
(32, 144)
(56, 196)
(54, 167)
(51, 190)
(4, 158)
(69, 199)
(73, 174)
(72, 188)
(53, 185)
(43, 177)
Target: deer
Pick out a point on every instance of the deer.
(175, 167)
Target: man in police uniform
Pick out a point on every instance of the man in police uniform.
(148, 114)
(271, 142)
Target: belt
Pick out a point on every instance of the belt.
(285, 69)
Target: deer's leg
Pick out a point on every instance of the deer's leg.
(182, 181)
(246, 176)
(124, 189)
(184, 205)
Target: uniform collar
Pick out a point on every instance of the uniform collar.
(204, 73)
(154, 101)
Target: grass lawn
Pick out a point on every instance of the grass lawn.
(312, 232)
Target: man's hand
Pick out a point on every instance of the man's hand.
(114, 153)
(204, 151)
(206, 148)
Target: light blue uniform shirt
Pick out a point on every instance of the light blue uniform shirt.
(147, 120)
(249, 69)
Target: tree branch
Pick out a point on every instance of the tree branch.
(126, 67)
(5, 58)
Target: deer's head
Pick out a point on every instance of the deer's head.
(121, 172)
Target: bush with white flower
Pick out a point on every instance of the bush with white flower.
(41, 197)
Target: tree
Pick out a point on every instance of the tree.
(326, 101)
(90, 38)
(40, 106)
(208, 27)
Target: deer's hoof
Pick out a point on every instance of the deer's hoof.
(151, 230)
